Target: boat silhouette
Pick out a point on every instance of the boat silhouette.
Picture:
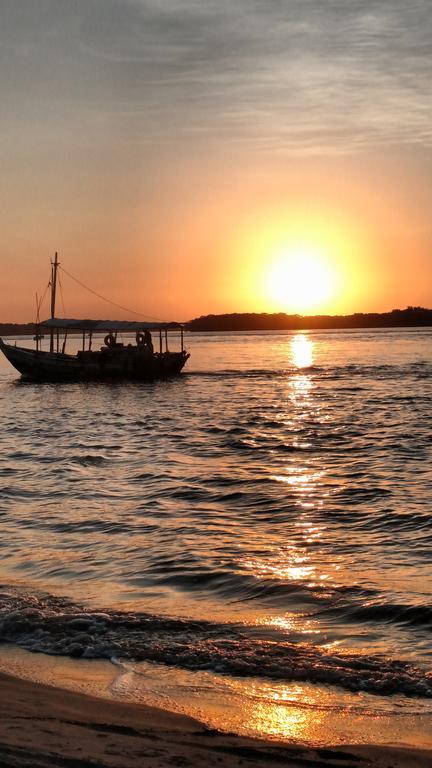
(115, 359)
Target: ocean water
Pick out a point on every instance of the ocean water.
(250, 542)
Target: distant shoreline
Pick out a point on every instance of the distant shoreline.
(411, 317)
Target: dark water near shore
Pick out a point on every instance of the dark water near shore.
(265, 516)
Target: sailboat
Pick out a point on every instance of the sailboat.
(115, 359)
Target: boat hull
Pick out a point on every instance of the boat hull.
(129, 363)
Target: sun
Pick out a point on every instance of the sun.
(300, 279)
(298, 261)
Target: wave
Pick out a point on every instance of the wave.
(53, 625)
(419, 370)
(394, 613)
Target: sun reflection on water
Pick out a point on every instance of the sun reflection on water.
(280, 720)
(295, 564)
(287, 566)
(291, 623)
(301, 352)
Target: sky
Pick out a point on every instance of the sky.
(187, 157)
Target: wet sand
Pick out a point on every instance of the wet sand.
(42, 726)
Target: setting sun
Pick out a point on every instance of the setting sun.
(300, 280)
(302, 260)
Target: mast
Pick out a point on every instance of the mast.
(54, 267)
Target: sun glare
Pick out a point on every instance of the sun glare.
(300, 280)
(298, 261)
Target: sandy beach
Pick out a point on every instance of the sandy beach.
(46, 726)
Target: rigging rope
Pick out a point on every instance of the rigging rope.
(99, 296)
(39, 305)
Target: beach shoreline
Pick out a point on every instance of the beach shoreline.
(307, 715)
(42, 725)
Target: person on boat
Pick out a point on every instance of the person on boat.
(144, 341)
(148, 341)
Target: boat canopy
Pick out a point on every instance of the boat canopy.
(103, 326)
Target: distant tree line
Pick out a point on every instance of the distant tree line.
(17, 329)
(280, 321)
(252, 321)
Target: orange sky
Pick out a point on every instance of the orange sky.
(194, 158)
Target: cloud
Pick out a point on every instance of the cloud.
(270, 76)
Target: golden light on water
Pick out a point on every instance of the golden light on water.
(279, 719)
(301, 351)
(290, 565)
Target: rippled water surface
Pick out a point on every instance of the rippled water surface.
(266, 517)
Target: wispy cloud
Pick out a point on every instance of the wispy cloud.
(270, 75)
(302, 75)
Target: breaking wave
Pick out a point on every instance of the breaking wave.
(56, 626)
